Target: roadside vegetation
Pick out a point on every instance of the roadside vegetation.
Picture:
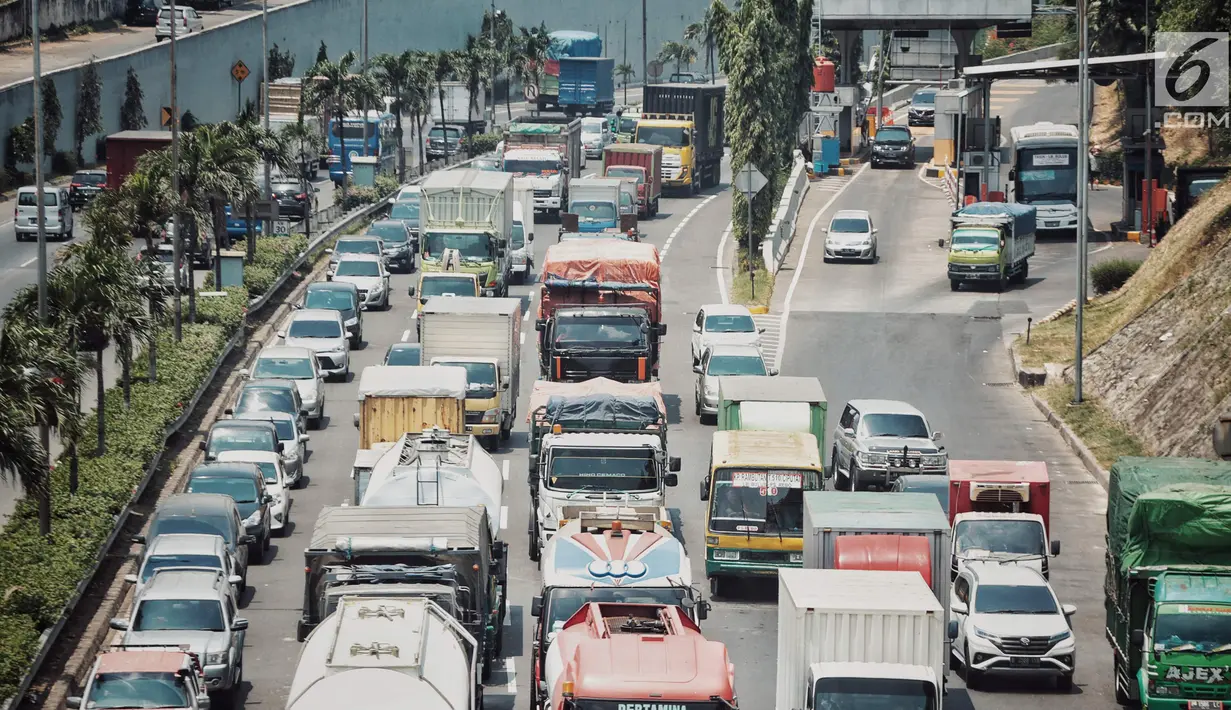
(1106, 438)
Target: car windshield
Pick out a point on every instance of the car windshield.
(517, 240)
(669, 136)
(448, 286)
(406, 211)
(1205, 627)
(357, 246)
(191, 524)
(893, 135)
(405, 356)
(241, 490)
(563, 602)
(531, 167)
(594, 211)
(723, 365)
(89, 179)
(597, 470)
(1019, 537)
(761, 501)
(113, 691)
(358, 267)
(291, 368)
(284, 427)
(237, 438)
(874, 694)
(395, 232)
(849, 225)
(285, 188)
(312, 328)
(730, 324)
(1011, 599)
(475, 247)
(179, 615)
(599, 331)
(330, 299)
(924, 98)
(157, 562)
(618, 172)
(269, 471)
(628, 125)
(900, 425)
(438, 133)
(480, 378)
(975, 240)
(592, 126)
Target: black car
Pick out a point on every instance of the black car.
(85, 186)
(340, 297)
(401, 245)
(294, 200)
(404, 354)
(203, 514)
(893, 145)
(245, 484)
(922, 111)
(141, 13)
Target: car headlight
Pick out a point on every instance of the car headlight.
(377, 287)
(986, 634)
(351, 322)
(254, 519)
(796, 557)
(727, 555)
(1060, 636)
(1165, 691)
(711, 388)
(216, 658)
(933, 460)
(491, 416)
(869, 458)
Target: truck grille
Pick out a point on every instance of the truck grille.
(670, 173)
(771, 557)
(619, 369)
(999, 495)
(542, 193)
(1034, 646)
(474, 417)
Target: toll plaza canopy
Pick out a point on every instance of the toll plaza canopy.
(1100, 68)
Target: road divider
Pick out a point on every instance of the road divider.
(777, 240)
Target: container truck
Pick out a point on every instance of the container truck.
(1000, 487)
(587, 86)
(644, 163)
(687, 121)
(125, 148)
(1168, 581)
(849, 639)
(991, 242)
(559, 133)
(563, 43)
(466, 219)
(595, 205)
(483, 336)
(773, 404)
(373, 653)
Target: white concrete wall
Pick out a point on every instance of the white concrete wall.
(15, 15)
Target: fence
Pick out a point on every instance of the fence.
(777, 240)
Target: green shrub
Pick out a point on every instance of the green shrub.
(39, 575)
(360, 196)
(1110, 275)
(227, 311)
(386, 185)
(481, 143)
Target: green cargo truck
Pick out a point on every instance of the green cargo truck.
(773, 404)
(991, 243)
(1168, 582)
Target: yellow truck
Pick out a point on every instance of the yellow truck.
(687, 121)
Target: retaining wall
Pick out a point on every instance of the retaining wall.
(15, 15)
(204, 60)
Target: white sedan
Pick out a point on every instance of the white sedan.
(276, 484)
(723, 324)
(850, 235)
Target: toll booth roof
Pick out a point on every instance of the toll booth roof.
(998, 471)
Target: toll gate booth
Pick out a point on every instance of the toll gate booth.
(961, 123)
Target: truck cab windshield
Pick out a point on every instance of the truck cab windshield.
(874, 694)
(602, 470)
(531, 167)
(976, 240)
(112, 691)
(563, 602)
(1021, 537)
(667, 136)
(480, 378)
(594, 211)
(760, 502)
(1205, 628)
(447, 286)
(628, 125)
(600, 331)
(627, 173)
(1047, 175)
(472, 247)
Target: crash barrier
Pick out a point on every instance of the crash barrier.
(334, 224)
(949, 180)
(777, 240)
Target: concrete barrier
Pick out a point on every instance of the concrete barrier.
(777, 240)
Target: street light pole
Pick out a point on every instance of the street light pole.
(363, 104)
(752, 282)
(176, 238)
(1083, 184)
(40, 210)
(645, 54)
(265, 97)
(490, 116)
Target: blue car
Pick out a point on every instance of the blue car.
(237, 227)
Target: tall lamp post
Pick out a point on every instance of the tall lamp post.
(265, 97)
(176, 238)
(1083, 184)
(44, 431)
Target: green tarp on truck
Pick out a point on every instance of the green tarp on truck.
(1133, 476)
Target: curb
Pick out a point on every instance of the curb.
(1074, 442)
(1035, 376)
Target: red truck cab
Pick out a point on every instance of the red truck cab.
(1000, 487)
(641, 162)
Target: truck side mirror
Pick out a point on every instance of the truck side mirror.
(705, 488)
(245, 540)
(540, 325)
(500, 253)
(536, 606)
(504, 383)
(848, 431)
(1055, 548)
(1138, 638)
(239, 625)
(1012, 175)
(959, 608)
(671, 480)
(703, 610)
(229, 412)
(697, 369)
(951, 631)
(138, 539)
(411, 292)
(662, 329)
(673, 463)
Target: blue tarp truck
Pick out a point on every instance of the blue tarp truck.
(564, 43)
(991, 242)
(587, 85)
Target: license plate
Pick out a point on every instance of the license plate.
(1204, 705)
(1051, 224)
(1023, 663)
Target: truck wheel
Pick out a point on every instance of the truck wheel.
(478, 697)
(1002, 284)
(535, 552)
(301, 632)
(1122, 696)
(492, 443)
(954, 284)
(487, 667)
(1024, 273)
(715, 586)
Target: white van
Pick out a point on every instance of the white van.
(521, 245)
(57, 212)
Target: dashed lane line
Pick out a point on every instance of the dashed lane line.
(504, 469)
(405, 335)
(683, 223)
(510, 670)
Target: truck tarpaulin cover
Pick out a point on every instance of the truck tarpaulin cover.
(574, 43)
(1133, 476)
(1022, 215)
(536, 129)
(630, 269)
(617, 412)
(1185, 524)
(544, 391)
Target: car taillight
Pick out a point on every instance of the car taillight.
(75, 184)
(301, 196)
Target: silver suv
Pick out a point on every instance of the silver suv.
(193, 607)
(878, 440)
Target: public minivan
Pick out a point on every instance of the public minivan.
(57, 212)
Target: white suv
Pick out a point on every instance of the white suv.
(1011, 623)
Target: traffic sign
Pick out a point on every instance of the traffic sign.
(532, 92)
(749, 180)
(281, 226)
(166, 116)
(239, 70)
(265, 209)
(655, 69)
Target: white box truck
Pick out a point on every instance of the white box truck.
(373, 653)
(457, 106)
(521, 245)
(466, 218)
(482, 335)
(848, 637)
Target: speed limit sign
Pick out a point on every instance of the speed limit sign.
(282, 226)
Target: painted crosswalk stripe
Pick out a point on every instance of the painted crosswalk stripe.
(511, 671)
(406, 335)
(504, 469)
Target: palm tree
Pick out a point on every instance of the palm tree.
(704, 32)
(474, 68)
(532, 49)
(624, 71)
(677, 52)
(442, 69)
(334, 93)
(393, 72)
(502, 38)
(419, 94)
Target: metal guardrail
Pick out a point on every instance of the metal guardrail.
(340, 223)
(781, 231)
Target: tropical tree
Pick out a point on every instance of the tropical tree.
(473, 67)
(502, 38)
(625, 71)
(419, 96)
(392, 72)
(703, 33)
(89, 108)
(53, 115)
(132, 111)
(529, 55)
(336, 92)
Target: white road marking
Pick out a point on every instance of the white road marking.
(511, 671)
(589, 175)
(504, 517)
(803, 255)
(508, 619)
(414, 314)
(504, 469)
(679, 227)
(719, 263)
(523, 337)
(406, 335)
(526, 318)
(29, 261)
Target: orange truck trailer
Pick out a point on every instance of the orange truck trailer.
(641, 162)
(1000, 487)
(636, 657)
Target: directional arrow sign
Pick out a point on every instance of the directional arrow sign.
(166, 116)
(749, 180)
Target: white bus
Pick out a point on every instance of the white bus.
(1044, 173)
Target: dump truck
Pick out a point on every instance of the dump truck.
(482, 336)
(396, 400)
(563, 43)
(849, 638)
(586, 85)
(1168, 581)
(644, 163)
(446, 554)
(373, 652)
(680, 669)
(1000, 487)
(991, 242)
(773, 404)
(687, 121)
(595, 205)
(600, 314)
(125, 148)
(466, 220)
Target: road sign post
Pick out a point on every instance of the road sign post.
(239, 72)
(750, 181)
(165, 116)
(266, 209)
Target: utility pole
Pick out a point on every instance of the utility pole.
(264, 104)
(645, 54)
(44, 431)
(1148, 193)
(752, 281)
(490, 113)
(1083, 184)
(177, 238)
(364, 103)
(625, 61)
